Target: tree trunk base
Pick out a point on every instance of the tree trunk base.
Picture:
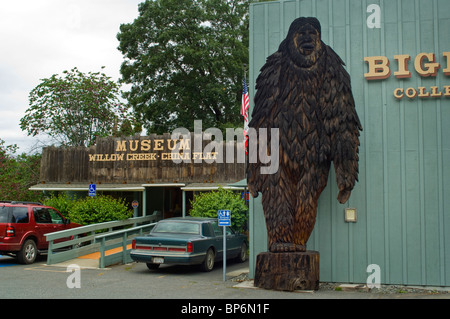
(288, 271)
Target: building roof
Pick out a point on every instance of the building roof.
(135, 187)
(85, 187)
(209, 186)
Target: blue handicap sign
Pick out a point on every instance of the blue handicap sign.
(224, 218)
(92, 189)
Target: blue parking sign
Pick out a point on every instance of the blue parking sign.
(224, 218)
(92, 189)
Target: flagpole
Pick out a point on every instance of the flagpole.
(245, 107)
(245, 136)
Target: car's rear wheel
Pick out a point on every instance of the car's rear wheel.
(242, 254)
(28, 253)
(208, 263)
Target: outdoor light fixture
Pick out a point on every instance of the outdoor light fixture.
(350, 215)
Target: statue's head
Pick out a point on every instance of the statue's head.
(303, 42)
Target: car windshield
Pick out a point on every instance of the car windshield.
(177, 228)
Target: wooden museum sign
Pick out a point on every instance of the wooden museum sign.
(145, 159)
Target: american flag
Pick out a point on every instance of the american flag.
(244, 112)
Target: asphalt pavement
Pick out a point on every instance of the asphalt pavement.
(185, 286)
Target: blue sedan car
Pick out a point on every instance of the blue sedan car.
(188, 241)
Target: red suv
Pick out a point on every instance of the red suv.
(23, 226)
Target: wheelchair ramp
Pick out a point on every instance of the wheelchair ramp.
(90, 261)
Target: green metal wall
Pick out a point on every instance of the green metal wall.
(403, 194)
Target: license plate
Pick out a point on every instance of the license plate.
(158, 260)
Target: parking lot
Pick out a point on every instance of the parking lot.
(130, 281)
(185, 286)
(121, 281)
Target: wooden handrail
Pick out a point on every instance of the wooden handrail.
(84, 239)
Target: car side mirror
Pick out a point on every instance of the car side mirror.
(66, 221)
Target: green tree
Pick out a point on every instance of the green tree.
(184, 59)
(74, 108)
(17, 173)
(208, 204)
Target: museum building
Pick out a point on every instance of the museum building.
(395, 228)
(155, 173)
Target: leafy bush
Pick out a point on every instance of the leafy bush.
(61, 203)
(209, 203)
(86, 211)
(99, 209)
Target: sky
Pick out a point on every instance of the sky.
(40, 38)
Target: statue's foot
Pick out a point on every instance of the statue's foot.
(286, 247)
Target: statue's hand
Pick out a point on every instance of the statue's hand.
(344, 195)
(252, 191)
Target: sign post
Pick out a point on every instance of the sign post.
(135, 205)
(224, 220)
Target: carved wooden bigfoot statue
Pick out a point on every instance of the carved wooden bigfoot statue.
(304, 90)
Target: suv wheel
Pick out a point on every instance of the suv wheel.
(28, 253)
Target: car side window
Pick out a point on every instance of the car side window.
(20, 215)
(217, 230)
(206, 230)
(41, 216)
(56, 217)
(47, 216)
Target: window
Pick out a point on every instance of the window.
(56, 217)
(15, 215)
(47, 216)
(229, 231)
(4, 214)
(217, 230)
(177, 227)
(20, 215)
